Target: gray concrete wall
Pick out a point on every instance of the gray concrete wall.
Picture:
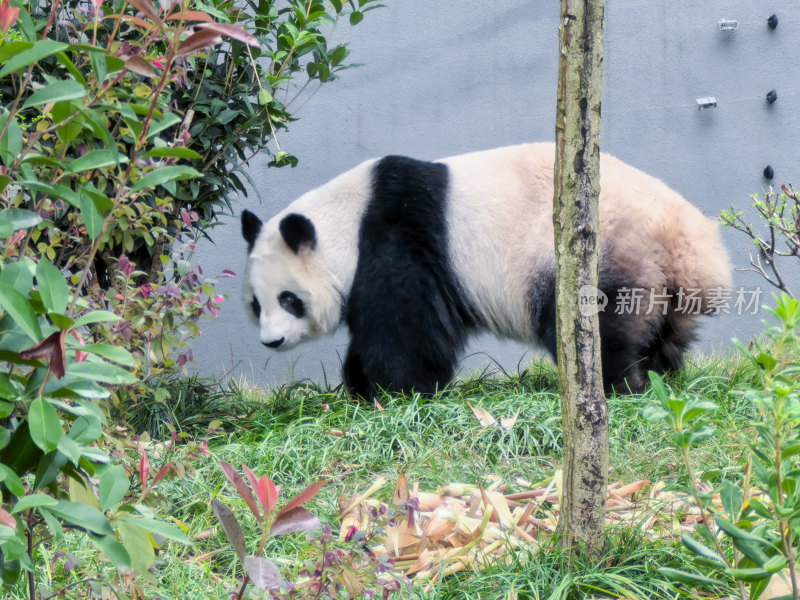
(443, 78)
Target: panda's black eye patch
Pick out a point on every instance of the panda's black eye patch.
(292, 304)
(256, 306)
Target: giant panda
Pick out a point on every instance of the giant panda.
(415, 256)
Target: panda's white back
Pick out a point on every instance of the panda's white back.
(501, 230)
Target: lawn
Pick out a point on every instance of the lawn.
(299, 434)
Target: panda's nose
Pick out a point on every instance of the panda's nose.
(274, 344)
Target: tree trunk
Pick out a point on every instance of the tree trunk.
(575, 217)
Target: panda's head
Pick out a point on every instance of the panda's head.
(288, 289)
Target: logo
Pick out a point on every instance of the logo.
(591, 301)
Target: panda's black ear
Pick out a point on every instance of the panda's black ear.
(251, 227)
(298, 232)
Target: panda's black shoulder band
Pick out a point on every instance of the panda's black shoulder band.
(298, 231)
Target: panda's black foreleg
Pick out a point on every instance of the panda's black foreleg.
(408, 361)
(404, 336)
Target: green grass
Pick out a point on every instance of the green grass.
(298, 434)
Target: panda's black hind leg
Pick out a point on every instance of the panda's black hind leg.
(671, 343)
(625, 346)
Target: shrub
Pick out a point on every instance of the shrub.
(749, 527)
(779, 237)
(113, 162)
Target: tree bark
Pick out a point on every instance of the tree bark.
(575, 217)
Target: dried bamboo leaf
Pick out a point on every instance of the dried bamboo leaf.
(632, 488)
(484, 416)
(401, 493)
(424, 561)
(507, 423)
(502, 513)
(376, 485)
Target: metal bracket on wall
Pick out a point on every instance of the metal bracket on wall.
(728, 24)
(706, 103)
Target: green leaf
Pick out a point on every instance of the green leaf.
(70, 449)
(18, 307)
(264, 97)
(736, 532)
(49, 468)
(97, 159)
(751, 574)
(32, 501)
(83, 516)
(11, 48)
(701, 549)
(85, 430)
(40, 50)
(99, 66)
(115, 354)
(138, 545)
(776, 563)
(45, 425)
(102, 372)
(19, 275)
(12, 219)
(53, 287)
(53, 524)
(11, 480)
(653, 413)
(175, 152)
(92, 217)
(70, 66)
(161, 528)
(164, 175)
(356, 17)
(55, 191)
(731, 496)
(96, 316)
(58, 91)
(114, 484)
(687, 578)
(166, 122)
(11, 142)
(114, 551)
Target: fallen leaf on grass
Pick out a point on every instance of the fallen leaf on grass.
(484, 416)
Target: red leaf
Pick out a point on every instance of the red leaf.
(301, 498)
(231, 526)
(144, 471)
(270, 493)
(253, 480)
(199, 41)
(7, 519)
(163, 471)
(145, 7)
(139, 65)
(8, 15)
(52, 347)
(263, 573)
(135, 20)
(297, 519)
(241, 487)
(189, 15)
(232, 31)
